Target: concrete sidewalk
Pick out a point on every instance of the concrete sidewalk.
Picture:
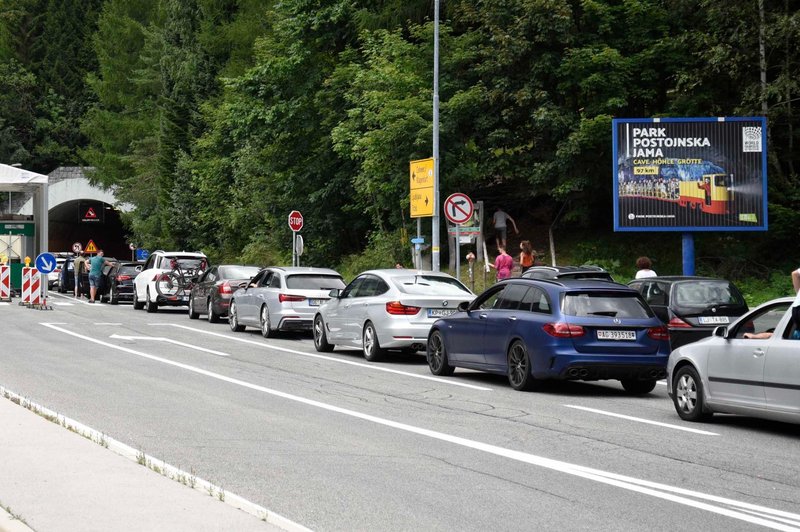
(52, 480)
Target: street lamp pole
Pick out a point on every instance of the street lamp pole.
(435, 236)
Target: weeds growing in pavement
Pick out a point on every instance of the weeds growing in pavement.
(13, 515)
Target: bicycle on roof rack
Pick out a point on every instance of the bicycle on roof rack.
(178, 281)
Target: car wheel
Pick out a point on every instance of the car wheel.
(638, 387)
(437, 355)
(519, 367)
(137, 305)
(688, 395)
(233, 319)
(114, 297)
(193, 315)
(266, 325)
(150, 305)
(320, 337)
(213, 317)
(370, 344)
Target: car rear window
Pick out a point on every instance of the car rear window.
(602, 276)
(430, 285)
(127, 270)
(706, 293)
(238, 272)
(610, 304)
(314, 282)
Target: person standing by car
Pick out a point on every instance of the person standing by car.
(79, 265)
(503, 264)
(98, 262)
(644, 264)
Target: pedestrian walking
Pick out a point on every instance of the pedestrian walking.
(644, 266)
(526, 255)
(503, 264)
(500, 221)
(79, 266)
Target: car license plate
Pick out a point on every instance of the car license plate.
(713, 320)
(616, 335)
(439, 312)
(314, 302)
(184, 298)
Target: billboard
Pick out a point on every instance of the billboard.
(690, 174)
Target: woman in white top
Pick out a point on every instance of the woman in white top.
(644, 264)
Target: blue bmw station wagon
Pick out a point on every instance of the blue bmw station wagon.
(532, 330)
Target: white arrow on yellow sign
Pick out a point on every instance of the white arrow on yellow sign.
(421, 175)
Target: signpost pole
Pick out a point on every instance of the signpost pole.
(294, 248)
(688, 253)
(458, 253)
(435, 235)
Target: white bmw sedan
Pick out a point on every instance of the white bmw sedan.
(383, 310)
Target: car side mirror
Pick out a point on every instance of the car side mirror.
(138, 268)
(335, 293)
(722, 332)
(463, 306)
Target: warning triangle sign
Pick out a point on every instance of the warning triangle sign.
(90, 247)
(90, 213)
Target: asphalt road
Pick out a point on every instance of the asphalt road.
(333, 442)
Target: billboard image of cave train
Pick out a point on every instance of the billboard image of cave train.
(690, 174)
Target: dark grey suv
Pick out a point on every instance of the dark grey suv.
(567, 272)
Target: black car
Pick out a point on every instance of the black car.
(567, 272)
(121, 279)
(104, 292)
(691, 307)
(211, 294)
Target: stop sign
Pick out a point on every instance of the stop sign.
(295, 221)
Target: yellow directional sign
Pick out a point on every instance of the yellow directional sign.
(421, 174)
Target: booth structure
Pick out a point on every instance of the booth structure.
(22, 235)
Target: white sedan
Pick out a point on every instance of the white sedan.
(387, 309)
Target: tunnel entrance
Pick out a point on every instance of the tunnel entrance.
(85, 220)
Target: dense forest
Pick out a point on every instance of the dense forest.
(215, 118)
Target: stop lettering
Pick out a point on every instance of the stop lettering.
(295, 221)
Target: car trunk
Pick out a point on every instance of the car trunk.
(430, 308)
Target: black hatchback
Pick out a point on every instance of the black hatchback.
(691, 307)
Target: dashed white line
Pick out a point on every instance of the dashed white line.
(641, 420)
(743, 511)
(323, 357)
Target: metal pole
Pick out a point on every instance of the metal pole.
(458, 253)
(417, 247)
(294, 248)
(435, 235)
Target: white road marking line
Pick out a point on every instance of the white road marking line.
(167, 470)
(73, 299)
(170, 341)
(662, 383)
(323, 357)
(61, 304)
(641, 420)
(644, 487)
(108, 323)
(4, 303)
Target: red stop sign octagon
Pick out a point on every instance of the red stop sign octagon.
(295, 221)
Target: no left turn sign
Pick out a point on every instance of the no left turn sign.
(458, 208)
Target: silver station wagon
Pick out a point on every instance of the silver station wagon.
(751, 368)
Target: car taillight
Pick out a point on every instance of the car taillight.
(224, 288)
(658, 333)
(283, 298)
(123, 278)
(398, 309)
(564, 330)
(678, 323)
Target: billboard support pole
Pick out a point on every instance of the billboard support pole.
(688, 253)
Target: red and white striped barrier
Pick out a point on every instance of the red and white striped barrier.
(26, 286)
(36, 287)
(5, 282)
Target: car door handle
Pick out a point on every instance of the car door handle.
(482, 316)
(512, 318)
(758, 353)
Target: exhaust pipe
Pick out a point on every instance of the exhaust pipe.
(573, 372)
(584, 372)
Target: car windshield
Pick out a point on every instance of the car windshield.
(314, 282)
(430, 285)
(706, 293)
(238, 272)
(610, 304)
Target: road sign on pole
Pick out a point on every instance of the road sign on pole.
(77, 247)
(45, 262)
(458, 208)
(421, 174)
(295, 221)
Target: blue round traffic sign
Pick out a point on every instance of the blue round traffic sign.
(46, 262)
(142, 254)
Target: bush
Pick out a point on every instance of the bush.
(383, 251)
